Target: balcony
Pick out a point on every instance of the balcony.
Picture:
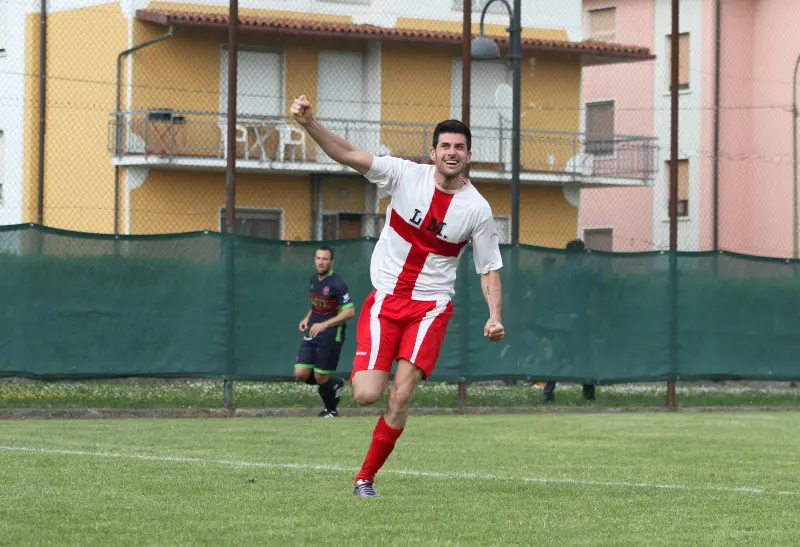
(170, 139)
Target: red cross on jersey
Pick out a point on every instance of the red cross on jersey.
(426, 231)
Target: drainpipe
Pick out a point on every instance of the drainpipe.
(795, 245)
(118, 114)
(42, 106)
(717, 72)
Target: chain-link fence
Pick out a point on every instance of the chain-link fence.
(113, 118)
(736, 189)
(131, 109)
(171, 306)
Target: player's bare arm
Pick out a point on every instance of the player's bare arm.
(336, 147)
(493, 293)
(344, 315)
(304, 323)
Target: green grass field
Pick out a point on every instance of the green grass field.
(187, 393)
(550, 479)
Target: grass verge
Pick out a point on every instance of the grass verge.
(188, 394)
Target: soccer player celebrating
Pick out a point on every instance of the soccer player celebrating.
(434, 213)
(324, 328)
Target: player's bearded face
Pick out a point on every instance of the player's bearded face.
(451, 155)
(322, 261)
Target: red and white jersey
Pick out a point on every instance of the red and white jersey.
(426, 231)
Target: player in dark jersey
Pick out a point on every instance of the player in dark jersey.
(324, 331)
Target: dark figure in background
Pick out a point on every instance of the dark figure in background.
(324, 331)
(571, 335)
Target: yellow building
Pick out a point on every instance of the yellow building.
(157, 163)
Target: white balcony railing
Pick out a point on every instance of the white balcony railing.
(203, 135)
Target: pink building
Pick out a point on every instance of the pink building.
(735, 125)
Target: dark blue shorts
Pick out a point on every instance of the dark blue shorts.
(320, 353)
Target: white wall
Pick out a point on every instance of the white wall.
(555, 14)
(689, 126)
(12, 92)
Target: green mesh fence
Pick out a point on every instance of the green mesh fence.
(206, 305)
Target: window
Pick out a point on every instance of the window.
(600, 128)
(599, 239)
(330, 226)
(683, 187)
(477, 6)
(344, 100)
(340, 84)
(346, 225)
(264, 223)
(259, 83)
(603, 24)
(491, 119)
(684, 62)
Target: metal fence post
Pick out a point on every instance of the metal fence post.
(227, 394)
(230, 202)
(673, 203)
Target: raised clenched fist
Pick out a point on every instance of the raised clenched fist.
(301, 110)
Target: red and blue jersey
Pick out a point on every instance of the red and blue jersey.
(328, 297)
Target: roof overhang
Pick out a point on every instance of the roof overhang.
(590, 52)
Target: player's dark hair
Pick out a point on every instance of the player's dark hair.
(326, 248)
(452, 126)
(576, 245)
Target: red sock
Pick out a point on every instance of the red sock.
(383, 439)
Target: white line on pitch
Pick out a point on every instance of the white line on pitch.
(431, 474)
